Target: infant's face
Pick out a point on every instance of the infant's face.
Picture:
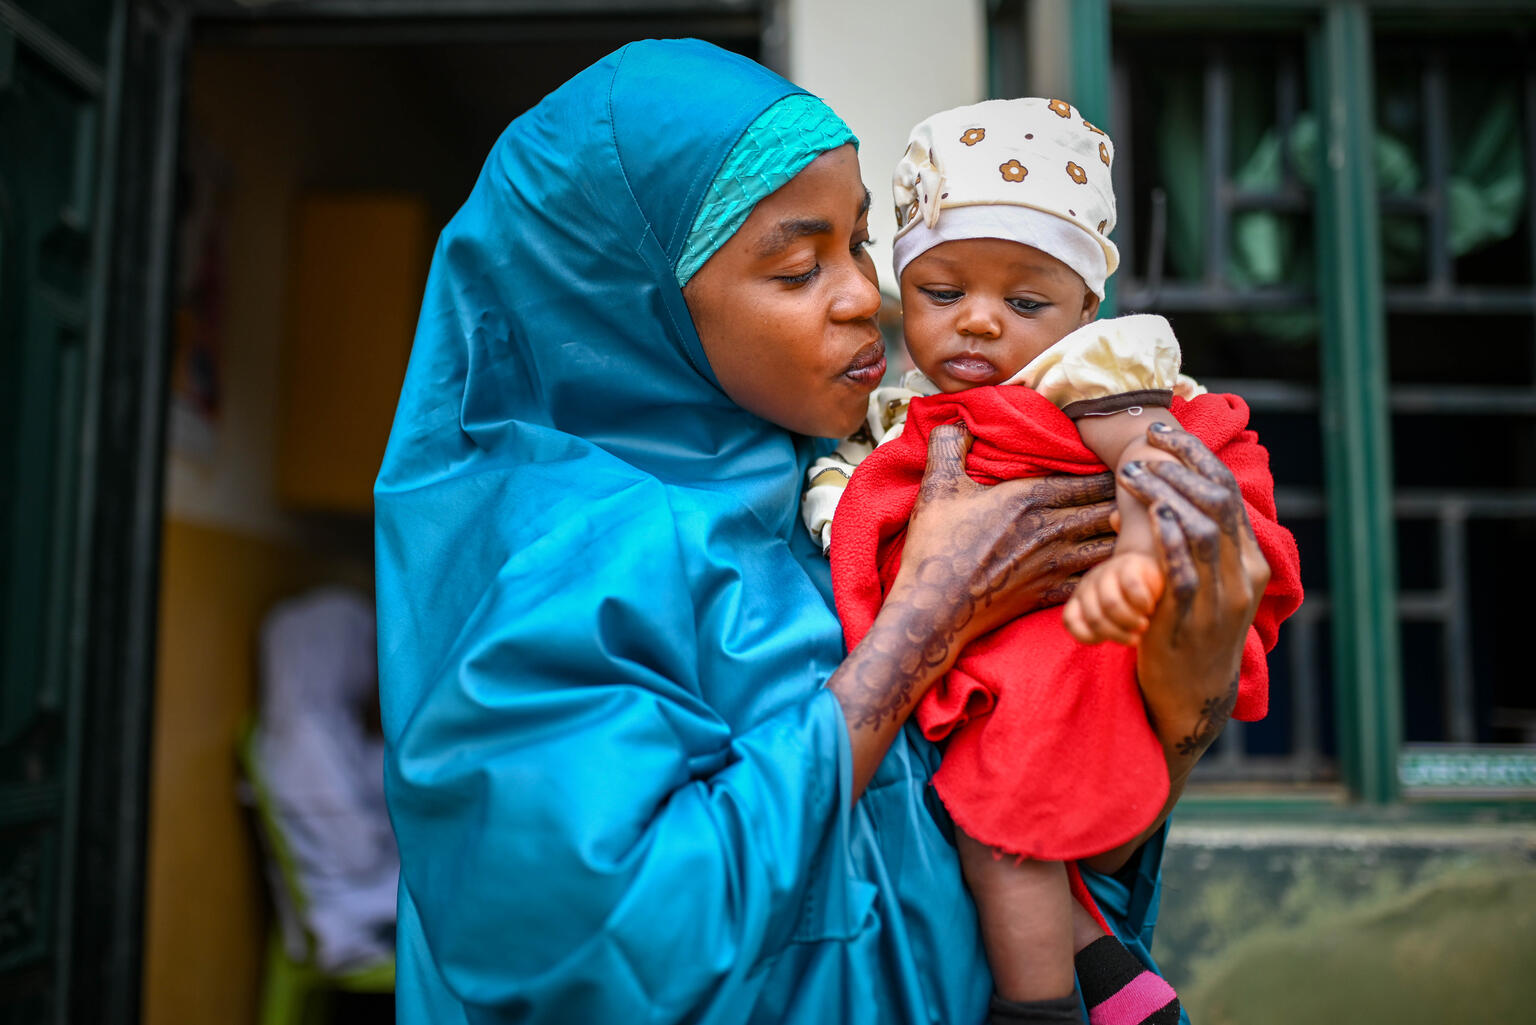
(976, 311)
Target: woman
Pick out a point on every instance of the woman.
(632, 774)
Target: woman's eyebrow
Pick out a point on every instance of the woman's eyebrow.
(786, 231)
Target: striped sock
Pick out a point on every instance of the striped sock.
(1119, 990)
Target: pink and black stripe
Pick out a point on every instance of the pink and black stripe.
(1119, 990)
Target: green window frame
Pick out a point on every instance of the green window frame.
(1065, 46)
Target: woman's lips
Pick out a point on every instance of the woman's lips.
(868, 366)
(971, 368)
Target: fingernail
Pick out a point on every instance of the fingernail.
(1160, 427)
(1165, 512)
(1132, 469)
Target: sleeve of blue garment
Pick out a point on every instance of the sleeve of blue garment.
(584, 837)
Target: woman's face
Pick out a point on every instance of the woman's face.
(786, 308)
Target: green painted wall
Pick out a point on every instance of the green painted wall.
(1402, 924)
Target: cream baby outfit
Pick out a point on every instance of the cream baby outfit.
(1107, 366)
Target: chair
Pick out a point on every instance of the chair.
(293, 990)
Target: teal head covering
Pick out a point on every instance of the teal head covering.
(774, 148)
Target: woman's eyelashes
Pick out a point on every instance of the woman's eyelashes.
(799, 279)
(859, 249)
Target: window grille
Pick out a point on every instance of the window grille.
(1217, 157)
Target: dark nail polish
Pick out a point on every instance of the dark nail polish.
(1161, 428)
(1132, 469)
(1165, 512)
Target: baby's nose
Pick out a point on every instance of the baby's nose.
(978, 319)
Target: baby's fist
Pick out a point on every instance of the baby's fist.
(1115, 600)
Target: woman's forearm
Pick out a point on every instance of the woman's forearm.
(1184, 742)
(885, 676)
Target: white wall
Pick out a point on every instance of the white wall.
(884, 65)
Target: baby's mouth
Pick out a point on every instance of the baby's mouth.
(971, 369)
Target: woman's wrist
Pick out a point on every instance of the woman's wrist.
(1187, 728)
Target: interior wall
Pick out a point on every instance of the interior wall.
(268, 123)
(884, 70)
(205, 910)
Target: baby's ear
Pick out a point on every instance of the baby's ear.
(1090, 306)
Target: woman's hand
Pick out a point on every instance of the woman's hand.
(1189, 660)
(975, 557)
(1191, 655)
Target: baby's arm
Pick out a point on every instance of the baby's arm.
(1115, 378)
(1115, 600)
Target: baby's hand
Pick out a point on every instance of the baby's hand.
(1115, 600)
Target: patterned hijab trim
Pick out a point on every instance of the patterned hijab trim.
(774, 148)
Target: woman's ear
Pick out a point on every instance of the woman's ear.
(1090, 307)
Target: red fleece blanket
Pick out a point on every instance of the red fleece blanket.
(1049, 752)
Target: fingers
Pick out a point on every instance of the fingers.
(1087, 523)
(945, 473)
(1180, 567)
(1115, 601)
(1088, 619)
(1226, 507)
(1081, 558)
(1191, 451)
(1203, 533)
(1068, 490)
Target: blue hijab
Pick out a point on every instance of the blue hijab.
(619, 788)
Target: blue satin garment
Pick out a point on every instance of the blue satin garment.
(620, 791)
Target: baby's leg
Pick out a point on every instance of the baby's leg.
(1026, 926)
(1118, 989)
(1115, 600)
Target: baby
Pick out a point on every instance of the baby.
(1004, 210)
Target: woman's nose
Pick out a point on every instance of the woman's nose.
(859, 298)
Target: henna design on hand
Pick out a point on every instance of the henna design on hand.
(1214, 715)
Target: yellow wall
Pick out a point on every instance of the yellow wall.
(205, 909)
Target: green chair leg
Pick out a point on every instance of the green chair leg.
(286, 986)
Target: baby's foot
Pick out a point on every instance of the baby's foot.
(1115, 600)
(1120, 990)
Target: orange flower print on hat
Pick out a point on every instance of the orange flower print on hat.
(1101, 225)
(1013, 171)
(973, 135)
(1093, 128)
(1061, 108)
(1104, 154)
(1074, 172)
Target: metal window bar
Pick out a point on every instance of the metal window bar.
(1143, 287)
(1453, 512)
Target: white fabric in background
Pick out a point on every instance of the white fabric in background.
(324, 771)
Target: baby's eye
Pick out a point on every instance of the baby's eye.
(942, 295)
(1027, 305)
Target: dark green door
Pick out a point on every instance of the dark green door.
(53, 75)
